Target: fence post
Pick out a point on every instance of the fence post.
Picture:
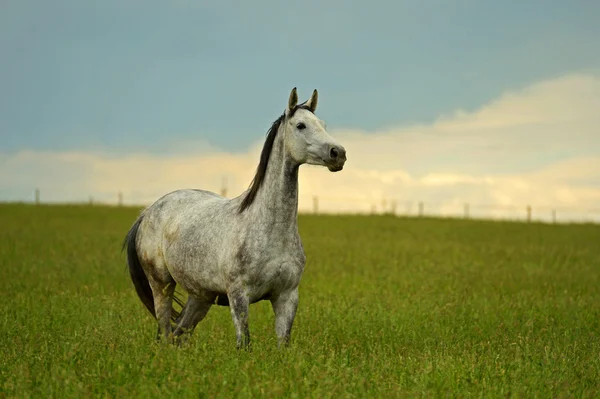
(466, 211)
(528, 213)
(554, 216)
(224, 187)
(120, 198)
(421, 206)
(37, 196)
(315, 204)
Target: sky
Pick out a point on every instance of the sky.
(495, 104)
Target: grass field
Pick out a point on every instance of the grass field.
(389, 307)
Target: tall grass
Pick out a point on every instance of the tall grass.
(389, 307)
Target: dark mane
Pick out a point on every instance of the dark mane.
(261, 170)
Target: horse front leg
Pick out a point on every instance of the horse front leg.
(284, 307)
(239, 305)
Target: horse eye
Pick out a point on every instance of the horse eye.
(301, 126)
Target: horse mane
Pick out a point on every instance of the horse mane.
(261, 170)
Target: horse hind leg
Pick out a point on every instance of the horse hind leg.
(165, 302)
(163, 286)
(163, 305)
(194, 311)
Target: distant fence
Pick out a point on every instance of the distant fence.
(423, 208)
(415, 208)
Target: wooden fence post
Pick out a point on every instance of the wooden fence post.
(224, 187)
(528, 213)
(421, 206)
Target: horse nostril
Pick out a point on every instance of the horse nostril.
(333, 153)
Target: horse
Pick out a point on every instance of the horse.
(233, 252)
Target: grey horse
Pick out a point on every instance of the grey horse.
(233, 252)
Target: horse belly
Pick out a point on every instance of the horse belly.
(197, 275)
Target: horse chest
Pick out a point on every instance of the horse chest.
(271, 269)
(272, 248)
(273, 278)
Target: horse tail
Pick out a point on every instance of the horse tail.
(138, 277)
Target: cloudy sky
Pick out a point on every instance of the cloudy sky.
(495, 104)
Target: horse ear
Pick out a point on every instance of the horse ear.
(293, 101)
(314, 99)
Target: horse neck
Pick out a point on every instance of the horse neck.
(277, 199)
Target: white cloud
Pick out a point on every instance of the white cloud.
(539, 146)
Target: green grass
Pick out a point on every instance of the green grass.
(389, 307)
